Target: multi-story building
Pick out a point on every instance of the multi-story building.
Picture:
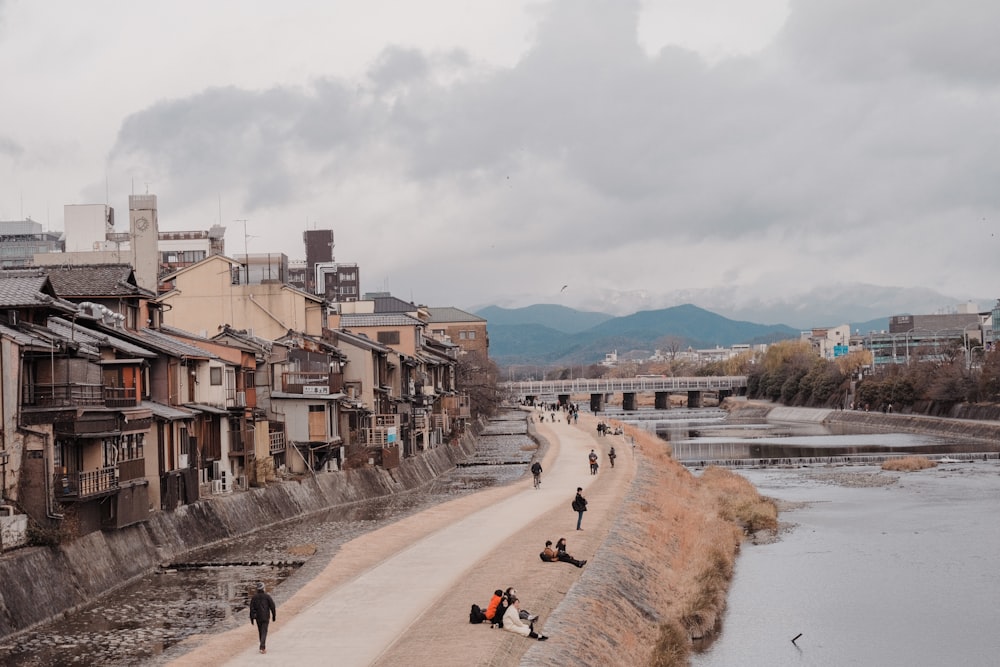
(464, 329)
(928, 337)
(21, 240)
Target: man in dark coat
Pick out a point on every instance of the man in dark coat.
(579, 506)
(262, 611)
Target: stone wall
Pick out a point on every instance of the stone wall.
(42, 583)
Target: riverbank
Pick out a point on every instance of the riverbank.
(42, 584)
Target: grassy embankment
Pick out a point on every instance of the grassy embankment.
(692, 528)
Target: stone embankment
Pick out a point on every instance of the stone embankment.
(42, 583)
(986, 430)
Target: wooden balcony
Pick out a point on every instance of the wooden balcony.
(277, 442)
(302, 382)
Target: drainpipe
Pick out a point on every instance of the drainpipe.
(268, 312)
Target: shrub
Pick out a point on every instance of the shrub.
(909, 464)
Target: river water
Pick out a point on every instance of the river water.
(873, 568)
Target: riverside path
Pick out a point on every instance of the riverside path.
(401, 594)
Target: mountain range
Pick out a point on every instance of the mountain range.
(557, 335)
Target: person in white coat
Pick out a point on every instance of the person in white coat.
(513, 623)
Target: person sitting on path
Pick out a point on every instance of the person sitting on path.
(512, 622)
(262, 611)
(549, 554)
(579, 506)
(562, 554)
(491, 608)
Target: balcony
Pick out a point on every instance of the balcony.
(316, 383)
(119, 397)
(276, 442)
(78, 394)
(84, 485)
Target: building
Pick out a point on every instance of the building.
(936, 337)
(21, 240)
(829, 342)
(464, 329)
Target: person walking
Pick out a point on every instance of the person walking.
(579, 506)
(536, 472)
(263, 612)
(611, 456)
(593, 462)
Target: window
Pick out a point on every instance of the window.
(317, 422)
(461, 335)
(472, 335)
(388, 337)
(215, 376)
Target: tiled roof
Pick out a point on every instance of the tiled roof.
(449, 314)
(69, 331)
(349, 320)
(94, 280)
(161, 341)
(390, 304)
(25, 339)
(24, 291)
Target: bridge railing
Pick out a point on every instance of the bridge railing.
(615, 385)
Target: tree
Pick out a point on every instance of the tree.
(477, 376)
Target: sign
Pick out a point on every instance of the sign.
(315, 389)
(391, 435)
(840, 350)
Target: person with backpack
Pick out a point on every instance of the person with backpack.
(536, 472)
(593, 462)
(579, 506)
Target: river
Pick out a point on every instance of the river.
(872, 568)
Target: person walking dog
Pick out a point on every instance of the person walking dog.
(579, 506)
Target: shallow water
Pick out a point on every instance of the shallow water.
(899, 574)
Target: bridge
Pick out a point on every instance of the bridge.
(661, 387)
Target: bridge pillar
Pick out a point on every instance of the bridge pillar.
(563, 400)
(628, 400)
(724, 394)
(694, 399)
(530, 400)
(661, 400)
(596, 402)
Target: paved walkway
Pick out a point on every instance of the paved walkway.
(402, 593)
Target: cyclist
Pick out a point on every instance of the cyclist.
(536, 472)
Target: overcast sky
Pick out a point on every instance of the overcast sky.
(493, 152)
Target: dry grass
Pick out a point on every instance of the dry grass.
(689, 534)
(909, 464)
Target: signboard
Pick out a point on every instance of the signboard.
(391, 435)
(315, 389)
(840, 350)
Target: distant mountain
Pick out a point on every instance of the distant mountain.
(832, 305)
(527, 342)
(560, 318)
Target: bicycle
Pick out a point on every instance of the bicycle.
(538, 479)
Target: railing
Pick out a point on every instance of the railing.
(131, 469)
(64, 394)
(83, 484)
(276, 442)
(119, 397)
(377, 436)
(614, 385)
(308, 382)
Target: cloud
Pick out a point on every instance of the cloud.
(859, 144)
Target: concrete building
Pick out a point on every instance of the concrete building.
(21, 240)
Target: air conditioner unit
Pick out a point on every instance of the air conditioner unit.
(241, 399)
(216, 486)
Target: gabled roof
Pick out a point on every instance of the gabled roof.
(95, 281)
(378, 320)
(26, 339)
(21, 291)
(207, 260)
(450, 314)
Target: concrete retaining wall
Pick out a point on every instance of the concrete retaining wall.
(42, 583)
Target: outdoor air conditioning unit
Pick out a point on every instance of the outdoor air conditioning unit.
(216, 486)
(241, 399)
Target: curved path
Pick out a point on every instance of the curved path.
(401, 594)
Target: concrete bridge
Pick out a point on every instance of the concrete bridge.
(660, 386)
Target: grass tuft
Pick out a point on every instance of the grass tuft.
(909, 464)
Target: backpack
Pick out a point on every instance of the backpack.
(541, 554)
(476, 614)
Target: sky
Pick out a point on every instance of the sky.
(591, 153)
